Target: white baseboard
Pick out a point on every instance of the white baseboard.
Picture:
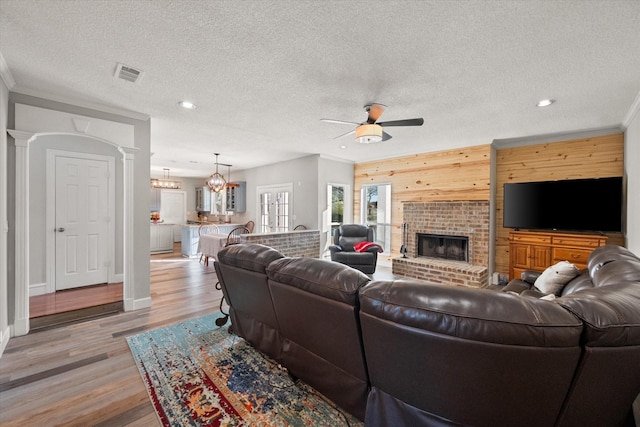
(142, 303)
(137, 304)
(4, 340)
(19, 328)
(37, 289)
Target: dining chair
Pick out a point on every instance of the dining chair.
(250, 225)
(207, 229)
(300, 227)
(234, 235)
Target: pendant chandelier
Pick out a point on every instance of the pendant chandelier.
(166, 182)
(216, 181)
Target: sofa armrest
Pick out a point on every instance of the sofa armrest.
(530, 276)
(335, 248)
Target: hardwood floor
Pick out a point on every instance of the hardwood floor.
(74, 299)
(83, 374)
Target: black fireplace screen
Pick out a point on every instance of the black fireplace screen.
(444, 247)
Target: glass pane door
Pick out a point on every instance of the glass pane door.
(282, 211)
(376, 213)
(275, 208)
(265, 210)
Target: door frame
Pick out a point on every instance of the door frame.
(51, 155)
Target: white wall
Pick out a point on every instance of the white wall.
(302, 173)
(309, 176)
(632, 175)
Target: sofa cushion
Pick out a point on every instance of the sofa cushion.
(473, 314)
(605, 254)
(611, 309)
(554, 278)
(324, 278)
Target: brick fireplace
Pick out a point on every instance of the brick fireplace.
(455, 221)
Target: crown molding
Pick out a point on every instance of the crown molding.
(633, 110)
(83, 104)
(5, 74)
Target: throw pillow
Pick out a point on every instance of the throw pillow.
(364, 246)
(554, 278)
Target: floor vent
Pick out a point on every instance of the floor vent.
(128, 73)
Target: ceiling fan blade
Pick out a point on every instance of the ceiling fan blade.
(339, 121)
(375, 111)
(385, 136)
(345, 134)
(407, 122)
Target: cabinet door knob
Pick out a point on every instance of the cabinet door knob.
(59, 230)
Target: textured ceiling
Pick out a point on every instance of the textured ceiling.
(262, 73)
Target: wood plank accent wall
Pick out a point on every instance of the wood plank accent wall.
(461, 174)
(596, 157)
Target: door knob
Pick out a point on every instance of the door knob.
(61, 229)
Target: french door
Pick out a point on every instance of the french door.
(375, 211)
(338, 211)
(276, 205)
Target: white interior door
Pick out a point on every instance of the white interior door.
(173, 210)
(81, 222)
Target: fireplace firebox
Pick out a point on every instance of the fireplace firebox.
(444, 247)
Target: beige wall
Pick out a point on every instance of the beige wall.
(461, 174)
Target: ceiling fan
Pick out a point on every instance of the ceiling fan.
(371, 130)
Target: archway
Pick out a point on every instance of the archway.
(22, 141)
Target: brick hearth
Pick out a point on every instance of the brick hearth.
(457, 218)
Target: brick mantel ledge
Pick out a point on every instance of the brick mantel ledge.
(446, 272)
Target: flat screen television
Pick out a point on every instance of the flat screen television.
(593, 204)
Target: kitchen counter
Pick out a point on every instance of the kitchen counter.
(161, 237)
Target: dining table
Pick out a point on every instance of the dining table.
(210, 244)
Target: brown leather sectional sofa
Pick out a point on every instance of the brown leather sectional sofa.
(408, 353)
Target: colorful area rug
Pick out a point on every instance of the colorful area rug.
(200, 375)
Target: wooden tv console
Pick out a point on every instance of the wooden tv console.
(537, 250)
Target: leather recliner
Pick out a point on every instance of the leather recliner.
(441, 355)
(342, 250)
(241, 270)
(316, 303)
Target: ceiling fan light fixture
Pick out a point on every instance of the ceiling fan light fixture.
(367, 134)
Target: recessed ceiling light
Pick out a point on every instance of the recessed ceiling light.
(187, 104)
(343, 147)
(545, 102)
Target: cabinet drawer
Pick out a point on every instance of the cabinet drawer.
(574, 256)
(528, 238)
(584, 243)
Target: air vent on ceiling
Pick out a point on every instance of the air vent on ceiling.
(128, 73)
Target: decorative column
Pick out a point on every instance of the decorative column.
(21, 318)
(128, 157)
